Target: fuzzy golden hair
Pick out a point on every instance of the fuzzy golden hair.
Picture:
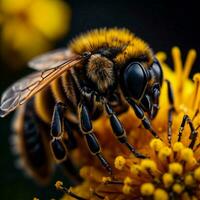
(103, 76)
(132, 46)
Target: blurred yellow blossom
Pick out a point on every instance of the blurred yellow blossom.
(171, 170)
(30, 27)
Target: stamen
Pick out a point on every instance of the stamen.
(189, 63)
(161, 56)
(168, 179)
(197, 174)
(177, 188)
(175, 168)
(160, 194)
(59, 186)
(147, 189)
(108, 180)
(196, 97)
(119, 162)
(195, 114)
(126, 189)
(176, 54)
(195, 149)
(197, 127)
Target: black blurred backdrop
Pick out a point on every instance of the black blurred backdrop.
(162, 24)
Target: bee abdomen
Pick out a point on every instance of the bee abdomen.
(33, 144)
(33, 148)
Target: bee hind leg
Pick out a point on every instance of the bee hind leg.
(92, 142)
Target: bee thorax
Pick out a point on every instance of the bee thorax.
(100, 72)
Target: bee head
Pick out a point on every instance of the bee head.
(143, 85)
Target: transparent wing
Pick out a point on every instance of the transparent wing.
(50, 59)
(26, 87)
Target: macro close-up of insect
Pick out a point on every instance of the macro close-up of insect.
(101, 71)
(99, 100)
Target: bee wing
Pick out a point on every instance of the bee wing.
(50, 59)
(22, 90)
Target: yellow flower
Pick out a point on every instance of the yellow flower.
(29, 27)
(171, 169)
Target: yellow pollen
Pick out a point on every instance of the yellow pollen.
(35, 198)
(120, 162)
(175, 168)
(156, 144)
(106, 179)
(193, 161)
(168, 179)
(135, 169)
(147, 164)
(164, 153)
(147, 189)
(177, 188)
(197, 174)
(189, 180)
(178, 146)
(59, 184)
(128, 181)
(126, 189)
(160, 194)
(187, 154)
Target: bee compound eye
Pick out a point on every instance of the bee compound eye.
(135, 79)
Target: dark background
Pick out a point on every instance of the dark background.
(163, 24)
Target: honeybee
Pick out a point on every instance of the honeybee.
(101, 71)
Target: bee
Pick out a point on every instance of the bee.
(102, 71)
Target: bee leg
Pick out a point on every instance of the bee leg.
(92, 142)
(140, 114)
(57, 145)
(71, 140)
(57, 123)
(58, 149)
(119, 131)
(171, 110)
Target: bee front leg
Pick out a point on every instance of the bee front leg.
(140, 114)
(92, 142)
(119, 131)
